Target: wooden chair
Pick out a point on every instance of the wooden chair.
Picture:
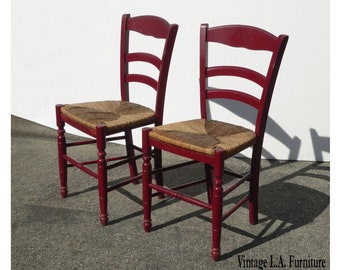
(102, 119)
(210, 141)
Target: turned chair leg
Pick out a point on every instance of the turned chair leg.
(102, 174)
(61, 153)
(146, 178)
(217, 205)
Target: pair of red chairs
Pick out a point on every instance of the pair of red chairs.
(203, 140)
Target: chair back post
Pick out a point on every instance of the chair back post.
(267, 93)
(203, 75)
(124, 66)
(164, 72)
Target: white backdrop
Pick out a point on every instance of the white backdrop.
(67, 51)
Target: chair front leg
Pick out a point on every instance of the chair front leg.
(61, 153)
(217, 199)
(102, 174)
(146, 178)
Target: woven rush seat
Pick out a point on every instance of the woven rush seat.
(204, 136)
(116, 115)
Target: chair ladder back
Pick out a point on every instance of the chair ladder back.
(149, 26)
(251, 38)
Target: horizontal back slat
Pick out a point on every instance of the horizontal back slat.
(144, 57)
(150, 26)
(142, 79)
(235, 95)
(242, 36)
(237, 71)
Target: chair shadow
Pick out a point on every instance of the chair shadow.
(272, 128)
(110, 183)
(288, 204)
(283, 205)
(320, 144)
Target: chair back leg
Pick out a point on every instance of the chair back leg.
(208, 178)
(158, 165)
(131, 154)
(253, 200)
(254, 184)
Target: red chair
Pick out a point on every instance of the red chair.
(102, 119)
(210, 141)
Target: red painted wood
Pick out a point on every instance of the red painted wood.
(249, 37)
(235, 207)
(61, 154)
(241, 180)
(152, 26)
(238, 72)
(235, 36)
(81, 165)
(146, 178)
(144, 57)
(149, 25)
(102, 174)
(235, 95)
(217, 203)
(142, 79)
